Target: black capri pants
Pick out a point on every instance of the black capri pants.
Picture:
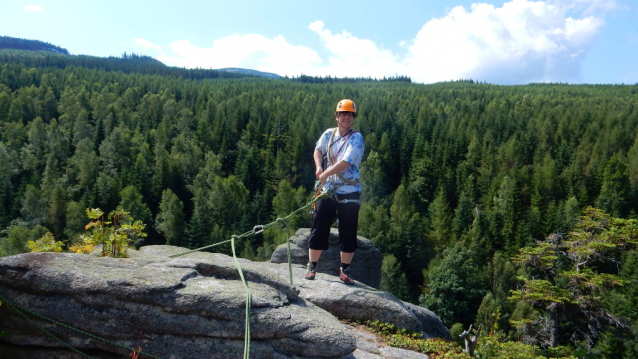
(322, 220)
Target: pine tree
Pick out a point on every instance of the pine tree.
(374, 178)
(566, 280)
(75, 221)
(133, 203)
(393, 280)
(616, 187)
(34, 207)
(456, 288)
(56, 211)
(462, 216)
(6, 188)
(441, 221)
(170, 220)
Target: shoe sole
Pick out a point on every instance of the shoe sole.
(347, 282)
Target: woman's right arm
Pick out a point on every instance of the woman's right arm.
(318, 156)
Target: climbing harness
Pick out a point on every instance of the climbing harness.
(332, 158)
(345, 200)
(319, 191)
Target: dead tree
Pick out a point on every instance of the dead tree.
(470, 343)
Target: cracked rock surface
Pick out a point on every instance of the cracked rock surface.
(190, 306)
(184, 307)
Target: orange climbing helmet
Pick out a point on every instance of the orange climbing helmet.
(346, 105)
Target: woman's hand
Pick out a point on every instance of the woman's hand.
(323, 176)
(338, 168)
(318, 172)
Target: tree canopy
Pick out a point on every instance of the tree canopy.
(459, 177)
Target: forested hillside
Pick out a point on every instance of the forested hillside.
(7, 42)
(458, 177)
(127, 63)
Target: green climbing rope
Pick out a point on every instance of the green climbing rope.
(252, 232)
(248, 302)
(241, 274)
(21, 310)
(288, 246)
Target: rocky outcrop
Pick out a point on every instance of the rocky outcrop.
(365, 266)
(187, 307)
(362, 302)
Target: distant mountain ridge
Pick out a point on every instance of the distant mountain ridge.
(35, 53)
(238, 70)
(38, 53)
(7, 42)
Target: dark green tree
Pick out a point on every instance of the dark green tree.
(34, 207)
(393, 279)
(170, 220)
(133, 203)
(456, 288)
(17, 238)
(615, 191)
(566, 281)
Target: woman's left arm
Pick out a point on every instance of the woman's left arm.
(337, 168)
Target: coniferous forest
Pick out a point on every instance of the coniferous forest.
(470, 189)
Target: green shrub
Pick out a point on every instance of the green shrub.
(46, 243)
(115, 235)
(406, 339)
(18, 236)
(495, 345)
(455, 331)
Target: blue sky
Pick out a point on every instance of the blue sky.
(504, 42)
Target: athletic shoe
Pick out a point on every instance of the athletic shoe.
(311, 272)
(345, 277)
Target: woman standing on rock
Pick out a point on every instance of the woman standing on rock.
(343, 148)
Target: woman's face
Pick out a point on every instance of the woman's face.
(345, 119)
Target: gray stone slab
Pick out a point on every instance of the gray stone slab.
(398, 353)
(360, 354)
(198, 296)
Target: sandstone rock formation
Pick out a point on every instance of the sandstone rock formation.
(188, 307)
(366, 264)
(362, 302)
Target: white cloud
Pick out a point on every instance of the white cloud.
(353, 57)
(35, 8)
(522, 41)
(349, 56)
(246, 51)
(145, 44)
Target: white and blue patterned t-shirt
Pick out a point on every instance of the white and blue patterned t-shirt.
(351, 151)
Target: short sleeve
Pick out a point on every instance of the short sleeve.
(322, 143)
(354, 150)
